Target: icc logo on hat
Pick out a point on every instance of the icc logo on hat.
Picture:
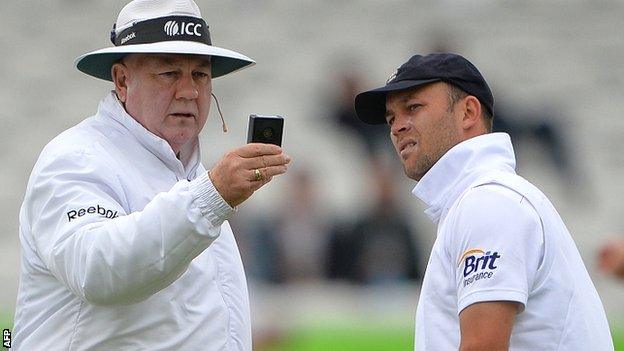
(172, 28)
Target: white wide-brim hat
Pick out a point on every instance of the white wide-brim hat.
(161, 27)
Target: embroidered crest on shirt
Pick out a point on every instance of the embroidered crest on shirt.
(478, 264)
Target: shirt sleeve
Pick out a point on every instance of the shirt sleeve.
(75, 214)
(497, 246)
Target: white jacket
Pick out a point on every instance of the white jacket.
(125, 247)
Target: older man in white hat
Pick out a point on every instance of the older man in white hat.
(124, 234)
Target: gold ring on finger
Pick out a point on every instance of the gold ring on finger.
(258, 175)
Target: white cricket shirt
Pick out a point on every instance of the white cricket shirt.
(125, 247)
(499, 238)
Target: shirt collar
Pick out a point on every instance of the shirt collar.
(459, 167)
(190, 155)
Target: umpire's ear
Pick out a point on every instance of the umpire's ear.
(120, 73)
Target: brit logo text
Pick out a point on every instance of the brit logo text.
(478, 264)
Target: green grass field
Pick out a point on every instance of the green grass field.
(347, 339)
(344, 339)
(6, 320)
(618, 338)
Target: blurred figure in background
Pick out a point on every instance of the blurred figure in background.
(342, 112)
(611, 258)
(380, 246)
(525, 126)
(258, 245)
(301, 231)
(289, 246)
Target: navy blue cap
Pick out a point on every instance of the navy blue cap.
(370, 106)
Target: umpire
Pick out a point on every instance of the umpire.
(124, 234)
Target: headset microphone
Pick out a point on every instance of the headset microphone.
(220, 114)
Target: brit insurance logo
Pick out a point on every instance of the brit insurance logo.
(173, 28)
(478, 264)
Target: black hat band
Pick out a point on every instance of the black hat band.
(161, 29)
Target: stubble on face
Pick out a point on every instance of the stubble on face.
(434, 147)
(432, 125)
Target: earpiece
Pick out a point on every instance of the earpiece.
(220, 114)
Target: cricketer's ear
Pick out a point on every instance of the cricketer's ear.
(472, 113)
(120, 72)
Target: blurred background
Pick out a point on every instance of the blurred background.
(335, 250)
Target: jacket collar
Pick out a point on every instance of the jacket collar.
(459, 167)
(190, 155)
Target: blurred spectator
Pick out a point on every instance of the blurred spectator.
(301, 232)
(258, 247)
(611, 258)
(374, 139)
(537, 126)
(380, 247)
(288, 246)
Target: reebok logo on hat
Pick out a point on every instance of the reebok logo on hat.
(128, 37)
(172, 28)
